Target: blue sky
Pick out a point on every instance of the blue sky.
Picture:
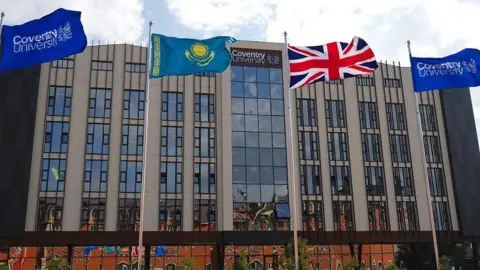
(434, 29)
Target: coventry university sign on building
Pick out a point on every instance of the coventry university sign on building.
(256, 58)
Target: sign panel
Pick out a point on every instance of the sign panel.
(256, 58)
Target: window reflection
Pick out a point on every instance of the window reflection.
(134, 104)
(56, 137)
(98, 138)
(59, 101)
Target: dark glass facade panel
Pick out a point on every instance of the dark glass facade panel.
(172, 106)
(171, 177)
(407, 216)
(135, 67)
(128, 219)
(432, 149)
(403, 181)
(368, 115)
(365, 81)
(53, 175)
(130, 176)
(399, 148)
(343, 216)
(371, 148)
(98, 138)
(96, 176)
(172, 141)
(306, 112)
(377, 216)
(205, 108)
(170, 216)
(50, 214)
(310, 180)
(133, 104)
(100, 103)
(56, 137)
(204, 215)
(374, 181)
(394, 83)
(428, 117)
(204, 178)
(258, 148)
(340, 180)
(396, 116)
(102, 65)
(59, 101)
(204, 142)
(437, 183)
(206, 74)
(335, 113)
(337, 146)
(93, 214)
(312, 212)
(63, 63)
(308, 145)
(132, 139)
(441, 216)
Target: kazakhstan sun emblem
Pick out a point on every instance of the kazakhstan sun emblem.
(200, 54)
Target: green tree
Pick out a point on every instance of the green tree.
(241, 263)
(188, 263)
(421, 255)
(288, 258)
(57, 263)
(4, 266)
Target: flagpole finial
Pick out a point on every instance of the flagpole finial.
(408, 47)
(285, 33)
(2, 14)
(151, 23)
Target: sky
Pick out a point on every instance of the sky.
(435, 28)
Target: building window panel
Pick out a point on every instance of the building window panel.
(441, 216)
(128, 219)
(374, 181)
(96, 172)
(98, 138)
(133, 104)
(172, 141)
(205, 108)
(403, 182)
(377, 216)
(50, 214)
(56, 137)
(308, 145)
(171, 177)
(368, 115)
(432, 149)
(371, 148)
(335, 113)
(102, 65)
(407, 216)
(172, 106)
(395, 116)
(365, 81)
(93, 214)
(340, 180)
(204, 215)
(59, 101)
(63, 63)
(394, 83)
(427, 117)
(437, 183)
(343, 216)
(170, 216)
(310, 180)
(204, 142)
(130, 176)
(132, 139)
(312, 215)
(100, 103)
(399, 148)
(337, 146)
(135, 67)
(204, 178)
(306, 112)
(53, 175)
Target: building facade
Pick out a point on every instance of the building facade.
(221, 161)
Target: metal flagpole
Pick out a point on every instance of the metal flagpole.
(425, 172)
(2, 14)
(145, 144)
(294, 192)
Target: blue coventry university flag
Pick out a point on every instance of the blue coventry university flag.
(454, 71)
(183, 56)
(52, 37)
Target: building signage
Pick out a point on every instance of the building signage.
(256, 58)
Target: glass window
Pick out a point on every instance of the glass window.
(102, 65)
(56, 137)
(98, 138)
(395, 116)
(204, 142)
(171, 177)
(130, 176)
(205, 107)
(133, 104)
(377, 216)
(59, 101)
(49, 214)
(170, 216)
(63, 63)
(428, 118)
(394, 83)
(135, 67)
(343, 216)
(368, 115)
(312, 215)
(204, 215)
(128, 218)
(96, 176)
(308, 145)
(53, 175)
(374, 181)
(337, 146)
(100, 102)
(335, 114)
(407, 216)
(371, 148)
(204, 178)
(399, 148)
(132, 139)
(365, 81)
(437, 184)
(402, 178)
(172, 106)
(172, 141)
(432, 149)
(310, 180)
(306, 113)
(340, 180)
(441, 216)
(93, 214)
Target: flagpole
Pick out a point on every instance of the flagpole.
(425, 172)
(293, 182)
(145, 147)
(2, 14)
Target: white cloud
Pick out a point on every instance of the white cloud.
(435, 28)
(104, 20)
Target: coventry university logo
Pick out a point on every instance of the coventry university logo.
(43, 41)
(200, 54)
(455, 68)
(273, 59)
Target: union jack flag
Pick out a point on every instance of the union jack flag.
(332, 61)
